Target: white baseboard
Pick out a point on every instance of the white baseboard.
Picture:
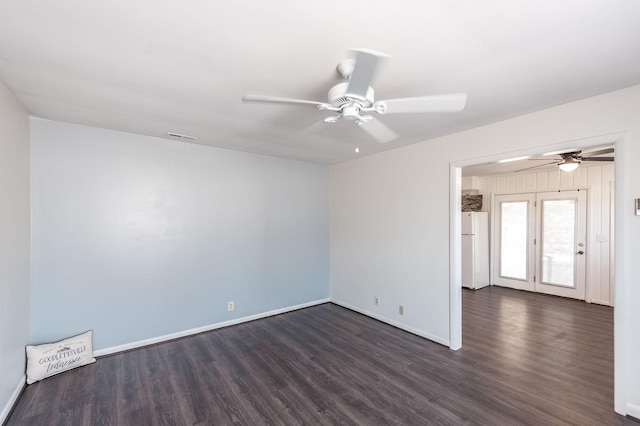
(396, 324)
(633, 410)
(14, 397)
(166, 337)
(601, 302)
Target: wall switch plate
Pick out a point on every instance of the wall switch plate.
(401, 310)
(230, 306)
(637, 206)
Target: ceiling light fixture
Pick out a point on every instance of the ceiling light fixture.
(181, 136)
(569, 164)
(508, 160)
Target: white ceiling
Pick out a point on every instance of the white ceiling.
(152, 67)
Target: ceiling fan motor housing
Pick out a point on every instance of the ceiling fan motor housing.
(339, 96)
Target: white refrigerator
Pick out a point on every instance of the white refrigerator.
(475, 249)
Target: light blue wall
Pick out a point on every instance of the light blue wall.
(14, 246)
(138, 237)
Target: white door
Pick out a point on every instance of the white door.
(540, 242)
(514, 235)
(561, 238)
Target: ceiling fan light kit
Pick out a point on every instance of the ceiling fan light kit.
(354, 96)
(569, 164)
(569, 161)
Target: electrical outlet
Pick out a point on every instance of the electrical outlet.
(401, 310)
(230, 306)
(376, 301)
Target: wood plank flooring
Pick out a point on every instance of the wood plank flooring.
(528, 359)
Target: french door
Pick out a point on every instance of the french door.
(515, 230)
(540, 242)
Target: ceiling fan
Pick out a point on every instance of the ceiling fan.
(570, 161)
(355, 96)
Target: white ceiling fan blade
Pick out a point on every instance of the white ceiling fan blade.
(279, 100)
(364, 71)
(535, 167)
(379, 131)
(313, 128)
(439, 103)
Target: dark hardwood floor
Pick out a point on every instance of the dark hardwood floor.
(527, 359)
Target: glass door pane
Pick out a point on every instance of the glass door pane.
(514, 233)
(558, 242)
(514, 239)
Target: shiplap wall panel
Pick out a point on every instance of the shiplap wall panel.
(521, 183)
(580, 176)
(566, 179)
(542, 182)
(500, 185)
(598, 180)
(510, 184)
(554, 180)
(531, 182)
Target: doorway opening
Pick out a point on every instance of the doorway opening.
(456, 180)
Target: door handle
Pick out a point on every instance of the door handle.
(580, 252)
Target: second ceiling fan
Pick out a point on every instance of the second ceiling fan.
(355, 96)
(569, 161)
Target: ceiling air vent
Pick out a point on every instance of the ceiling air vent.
(180, 136)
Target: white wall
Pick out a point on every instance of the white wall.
(390, 216)
(138, 237)
(389, 239)
(598, 180)
(14, 246)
